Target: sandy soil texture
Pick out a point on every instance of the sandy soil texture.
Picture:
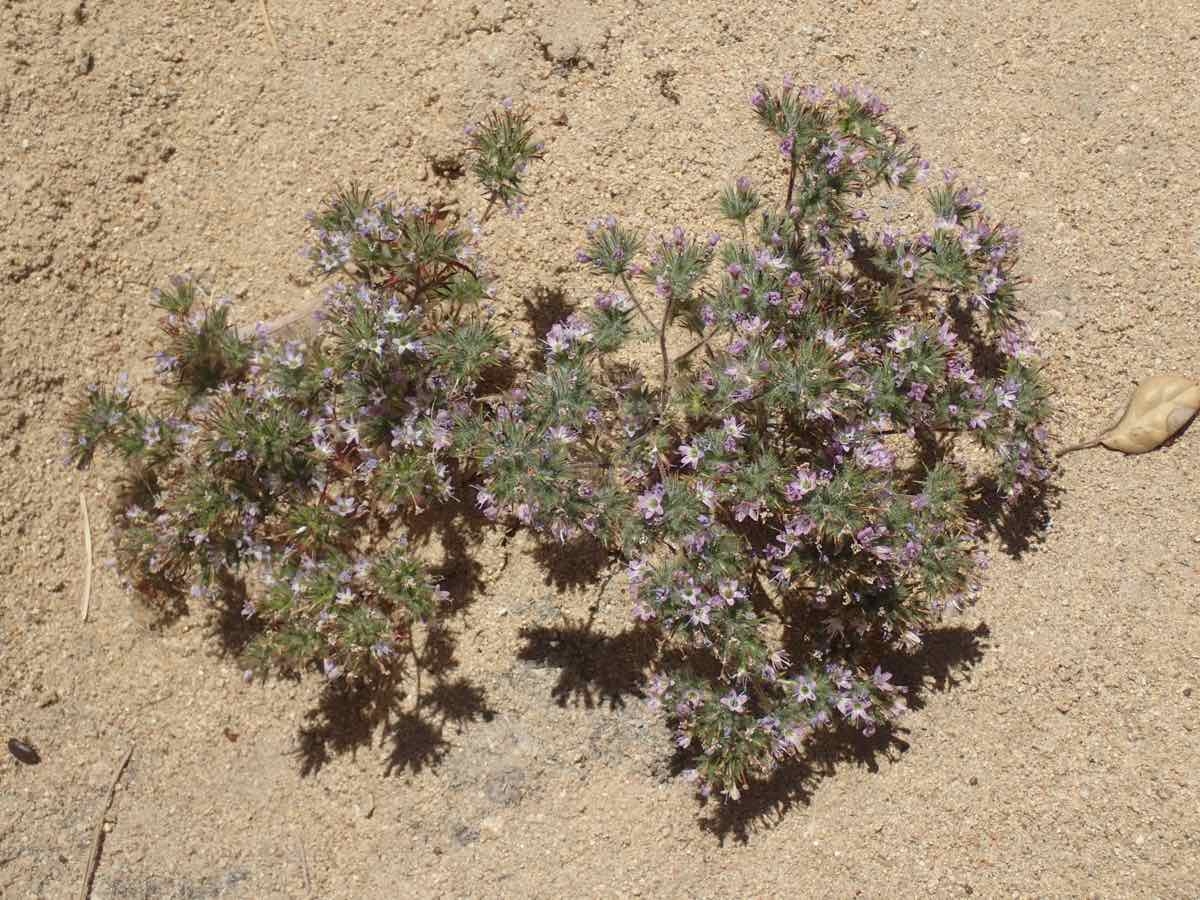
(1054, 750)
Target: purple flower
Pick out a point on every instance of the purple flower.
(794, 533)
(802, 484)
(735, 701)
(344, 505)
(292, 356)
(856, 709)
(650, 503)
(643, 613)
(690, 455)
(730, 592)
(902, 339)
(805, 690)
(882, 680)
(958, 370)
(164, 362)
(876, 456)
(748, 509)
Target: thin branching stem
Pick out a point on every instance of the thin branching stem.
(662, 346)
(791, 180)
(633, 299)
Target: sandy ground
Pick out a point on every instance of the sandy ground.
(1054, 751)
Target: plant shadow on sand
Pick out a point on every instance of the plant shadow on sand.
(595, 669)
(1019, 526)
(414, 708)
(421, 700)
(349, 717)
(598, 669)
(548, 307)
(941, 664)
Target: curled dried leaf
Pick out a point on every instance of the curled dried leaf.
(1159, 408)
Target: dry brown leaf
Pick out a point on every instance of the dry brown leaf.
(1159, 408)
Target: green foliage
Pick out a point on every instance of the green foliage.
(503, 145)
(785, 488)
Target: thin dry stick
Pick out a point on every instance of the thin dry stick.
(98, 836)
(262, 5)
(1082, 445)
(307, 876)
(86, 602)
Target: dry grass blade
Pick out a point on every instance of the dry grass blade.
(266, 14)
(85, 604)
(304, 869)
(98, 835)
(1158, 409)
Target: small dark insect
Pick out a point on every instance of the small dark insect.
(23, 752)
(230, 735)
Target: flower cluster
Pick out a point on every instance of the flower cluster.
(503, 145)
(787, 481)
(280, 474)
(787, 487)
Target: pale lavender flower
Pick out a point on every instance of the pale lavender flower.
(650, 504)
(735, 701)
(805, 690)
(902, 339)
(690, 455)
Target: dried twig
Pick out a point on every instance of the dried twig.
(307, 874)
(86, 602)
(262, 5)
(98, 835)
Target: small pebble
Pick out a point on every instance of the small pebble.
(23, 752)
(365, 809)
(84, 62)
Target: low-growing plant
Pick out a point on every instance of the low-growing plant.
(785, 478)
(282, 473)
(788, 433)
